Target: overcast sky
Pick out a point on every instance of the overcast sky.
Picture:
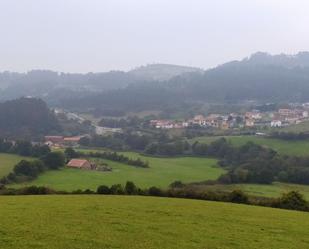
(102, 35)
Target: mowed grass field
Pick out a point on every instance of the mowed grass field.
(162, 172)
(297, 148)
(105, 222)
(7, 163)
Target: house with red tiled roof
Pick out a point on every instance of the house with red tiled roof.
(80, 164)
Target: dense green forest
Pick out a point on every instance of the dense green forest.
(26, 118)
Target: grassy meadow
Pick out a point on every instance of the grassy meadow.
(266, 190)
(7, 163)
(93, 222)
(298, 148)
(161, 173)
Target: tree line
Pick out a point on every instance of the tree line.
(292, 200)
(27, 170)
(23, 148)
(252, 163)
(113, 156)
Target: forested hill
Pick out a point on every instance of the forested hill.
(254, 79)
(26, 117)
(259, 78)
(53, 86)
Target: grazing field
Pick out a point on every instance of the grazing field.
(96, 222)
(298, 148)
(161, 173)
(7, 163)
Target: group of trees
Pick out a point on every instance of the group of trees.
(113, 156)
(122, 141)
(29, 169)
(254, 163)
(155, 143)
(178, 147)
(292, 200)
(23, 148)
(122, 122)
(26, 118)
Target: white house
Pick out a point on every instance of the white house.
(276, 123)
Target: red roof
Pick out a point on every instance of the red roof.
(72, 139)
(54, 139)
(77, 162)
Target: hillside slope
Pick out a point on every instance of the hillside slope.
(96, 222)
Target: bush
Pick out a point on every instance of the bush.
(103, 190)
(54, 160)
(292, 200)
(155, 191)
(238, 196)
(117, 189)
(176, 184)
(28, 168)
(34, 190)
(130, 188)
(70, 153)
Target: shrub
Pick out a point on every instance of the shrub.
(54, 160)
(177, 184)
(238, 196)
(104, 190)
(34, 190)
(292, 200)
(130, 188)
(155, 191)
(117, 189)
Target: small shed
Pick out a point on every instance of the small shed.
(80, 164)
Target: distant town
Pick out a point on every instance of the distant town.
(252, 119)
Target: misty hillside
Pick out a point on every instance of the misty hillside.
(289, 61)
(259, 78)
(53, 86)
(161, 72)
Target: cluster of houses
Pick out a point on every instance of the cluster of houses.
(254, 118)
(61, 141)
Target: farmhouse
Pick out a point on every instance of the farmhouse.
(54, 139)
(71, 141)
(80, 164)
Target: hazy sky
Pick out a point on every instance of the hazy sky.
(101, 35)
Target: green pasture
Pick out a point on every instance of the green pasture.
(161, 173)
(7, 163)
(106, 222)
(298, 148)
